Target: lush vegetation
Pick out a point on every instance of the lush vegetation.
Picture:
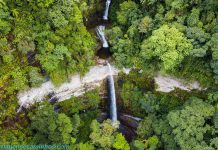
(176, 120)
(172, 36)
(44, 40)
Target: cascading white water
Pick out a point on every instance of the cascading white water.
(100, 32)
(105, 17)
(113, 105)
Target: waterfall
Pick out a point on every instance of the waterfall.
(100, 32)
(112, 95)
(105, 17)
(101, 35)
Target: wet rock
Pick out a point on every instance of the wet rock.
(53, 100)
(57, 109)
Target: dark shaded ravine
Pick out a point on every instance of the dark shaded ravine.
(128, 125)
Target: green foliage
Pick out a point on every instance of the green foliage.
(52, 60)
(76, 123)
(5, 18)
(130, 95)
(120, 142)
(215, 119)
(138, 145)
(153, 142)
(132, 92)
(114, 34)
(214, 48)
(214, 143)
(128, 13)
(13, 137)
(123, 47)
(167, 45)
(180, 29)
(55, 31)
(102, 134)
(213, 98)
(35, 78)
(150, 144)
(91, 99)
(162, 129)
(19, 80)
(174, 36)
(195, 69)
(193, 19)
(84, 128)
(3, 46)
(40, 3)
(145, 24)
(199, 41)
(85, 146)
(144, 129)
(89, 7)
(50, 128)
(25, 46)
(57, 18)
(149, 103)
(189, 124)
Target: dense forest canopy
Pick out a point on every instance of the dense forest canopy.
(43, 40)
(170, 35)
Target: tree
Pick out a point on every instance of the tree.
(163, 130)
(19, 80)
(49, 127)
(123, 52)
(63, 43)
(114, 34)
(214, 48)
(128, 13)
(5, 25)
(150, 144)
(193, 19)
(145, 25)
(26, 45)
(85, 146)
(123, 47)
(102, 134)
(213, 100)
(76, 123)
(89, 100)
(57, 18)
(199, 40)
(144, 129)
(13, 136)
(153, 142)
(120, 142)
(189, 124)
(40, 3)
(168, 45)
(149, 103)
(36, 78)
(214, 143)
(131, 95)
(53, 58)
(138, 145)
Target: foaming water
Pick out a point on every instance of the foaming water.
(106, 11)
(112, 95)
(101, 35)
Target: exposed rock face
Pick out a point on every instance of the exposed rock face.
(169, 83)
(79, 85)
(76, 87)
